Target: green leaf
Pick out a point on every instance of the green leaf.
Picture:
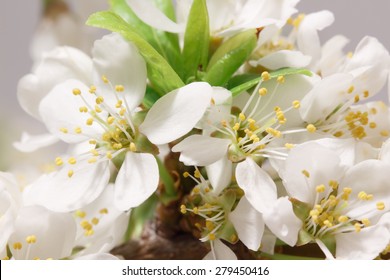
(151, 96)
(281, 72)
(160, 73)
(229, 57)
(196, 39)
(304, 238)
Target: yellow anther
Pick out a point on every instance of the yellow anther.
(207, 189)
(64, 130)
(210, 225)
(119, 104)
(347, 191)
(109, 155)
(118, 146)
(70, 173)
(99, 100)
(211, 236)
(85, 225)
(338, 134)
(366, 222)
(72, 160)
(76, 91)
(196, 190)
(370, 197)
(384, 133)
(362, 195)
(98, 109)
(92, 142)
(242, 117)
(212, 101)
(274, 132)
(298, 20)
(289, 146)
(366, 94)
(89, 121)
(265, 76)
(311, 128)
(263, 91)
(197, 174)
(358, 227)
(31, 239)
(89, 232)
(233, 238)
(314, 213)
(92, 89)
(183, 209)
(343, 219)
(277, 109)
(306, 173)
(195, 210)
(119, 88)
(236, 126)
(92, 160)
(380, 206)
(328, 224)
(133, 147)
(105, 80)
(59, 161)
(83, 109)
(122, 111)
(290, 21)
(356, 99)
(351, 89)
(280, 79)
(78, 130)
(372, 125)
(320, 188)
(110, 120)
(95, 221)
(17, 246)
(186, 174)
(333, 184)
(103, 211)
(296, 104)
(80, 214)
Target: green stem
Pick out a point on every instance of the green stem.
(287, 257)
(170, 192)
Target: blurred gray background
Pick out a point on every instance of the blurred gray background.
(18, 19)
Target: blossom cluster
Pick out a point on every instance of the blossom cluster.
(273, 131)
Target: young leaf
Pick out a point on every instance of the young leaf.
(281, 72)
(160, 73)
(196, 39)
(229, 57)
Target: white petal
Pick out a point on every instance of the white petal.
(137, 180)
(120, 62)
(220, 174)
(281, 220)
(61, 193)
(55, 234)
(307, 38)
(152, 16)
(30, 143)
(332, 56)
(258, 186)
(370, 176)
(248, 223)
(59, 65)
(176, 113)
(60, 109)
(323, 165)
(221, 252)
(325, 96)
(268, 242)
(385, 152)
(364, 245)
(201, 150)
(283, 58)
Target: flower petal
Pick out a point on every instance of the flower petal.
(281, 220)
(137, 180)
(152, 16)
(112, 56)
(176, 113)
(221, 252)
(220, 174)
(283, 58)
(258, 186)
(55, 234)
(30, 143)
(61, 193)
(364, 245)
(201, 150)
(57, 66)
(248, 223)
(98, 256)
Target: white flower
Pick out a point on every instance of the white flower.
(342, 203)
